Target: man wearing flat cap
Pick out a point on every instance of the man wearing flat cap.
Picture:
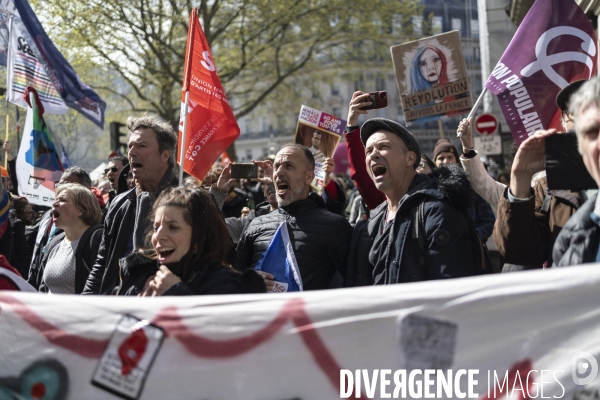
(422, 230)
(530, 216)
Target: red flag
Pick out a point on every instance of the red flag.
(211, 125)
(225, 159)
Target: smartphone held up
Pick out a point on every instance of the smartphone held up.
(377, 100)
(244, 170)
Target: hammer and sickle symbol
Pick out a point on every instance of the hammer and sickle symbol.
(545, 62)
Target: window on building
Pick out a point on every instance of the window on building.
(397, 24)
(335, 89)
(457, 25)
(265, 152)
(437, 25)
(380, 82)
(476, 54)
(475, 28)
(336, 111)
(248, 154)
(359, 83)
(417, 23)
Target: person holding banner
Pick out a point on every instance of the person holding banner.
(189, 251)
(152, 161)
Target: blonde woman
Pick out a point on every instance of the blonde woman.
(70, 255)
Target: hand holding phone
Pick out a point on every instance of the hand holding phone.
(244, 170)
(377, 100)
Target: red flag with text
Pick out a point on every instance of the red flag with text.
(211, 125)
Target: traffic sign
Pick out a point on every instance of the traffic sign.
(486, 124)
(488, 145)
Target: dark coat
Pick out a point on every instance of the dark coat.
(577, 243)
(204, 280)
(118, 228)
(320, 240)
(448, 237)
(525, 232)
(85, 256)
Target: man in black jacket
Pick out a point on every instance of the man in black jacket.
(422, 231)
(578, 241)
(320, 238)
(151, 159)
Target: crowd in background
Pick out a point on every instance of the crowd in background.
(398, 216)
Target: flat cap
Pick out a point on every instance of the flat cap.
(376, 124)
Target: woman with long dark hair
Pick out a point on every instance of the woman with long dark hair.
(188, 253)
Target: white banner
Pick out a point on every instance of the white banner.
(532, 334)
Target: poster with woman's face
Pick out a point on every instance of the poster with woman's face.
(432, 77)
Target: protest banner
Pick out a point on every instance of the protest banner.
(554, 46)
(23, 69)
(528, 335)
(432, 77)
(39, 165)
(207, 125)
(321, 133)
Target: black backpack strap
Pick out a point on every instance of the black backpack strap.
(418, 230)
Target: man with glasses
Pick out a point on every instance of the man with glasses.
(112, 172)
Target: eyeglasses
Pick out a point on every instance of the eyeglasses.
(113, 169)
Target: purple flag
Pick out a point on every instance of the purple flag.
(554, 46)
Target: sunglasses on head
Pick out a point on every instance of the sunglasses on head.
(113, 169)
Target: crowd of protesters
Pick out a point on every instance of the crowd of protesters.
(399, 216)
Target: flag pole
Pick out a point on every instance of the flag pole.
(187, 72)
(475, 107)
(6, 138)
(183, 134)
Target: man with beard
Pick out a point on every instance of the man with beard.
(151, 160)
(320, 239)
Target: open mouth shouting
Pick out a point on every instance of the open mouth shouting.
(378, 170)
(136, 167)
(282, 188)
(164, 253)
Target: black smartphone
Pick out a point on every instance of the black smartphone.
(244, 170)
(377, 99)
(564, 165)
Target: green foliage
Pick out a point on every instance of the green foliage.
(257, 44)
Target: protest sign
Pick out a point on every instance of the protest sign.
(321, 133)
(525, 335)
(207, 125)
(554, 46)
(432, 77)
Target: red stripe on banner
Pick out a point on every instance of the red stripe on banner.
(85, 347)
(170, 320)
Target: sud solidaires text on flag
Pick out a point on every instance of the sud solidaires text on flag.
(211, 126)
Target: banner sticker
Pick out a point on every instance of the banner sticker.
(127, 360)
